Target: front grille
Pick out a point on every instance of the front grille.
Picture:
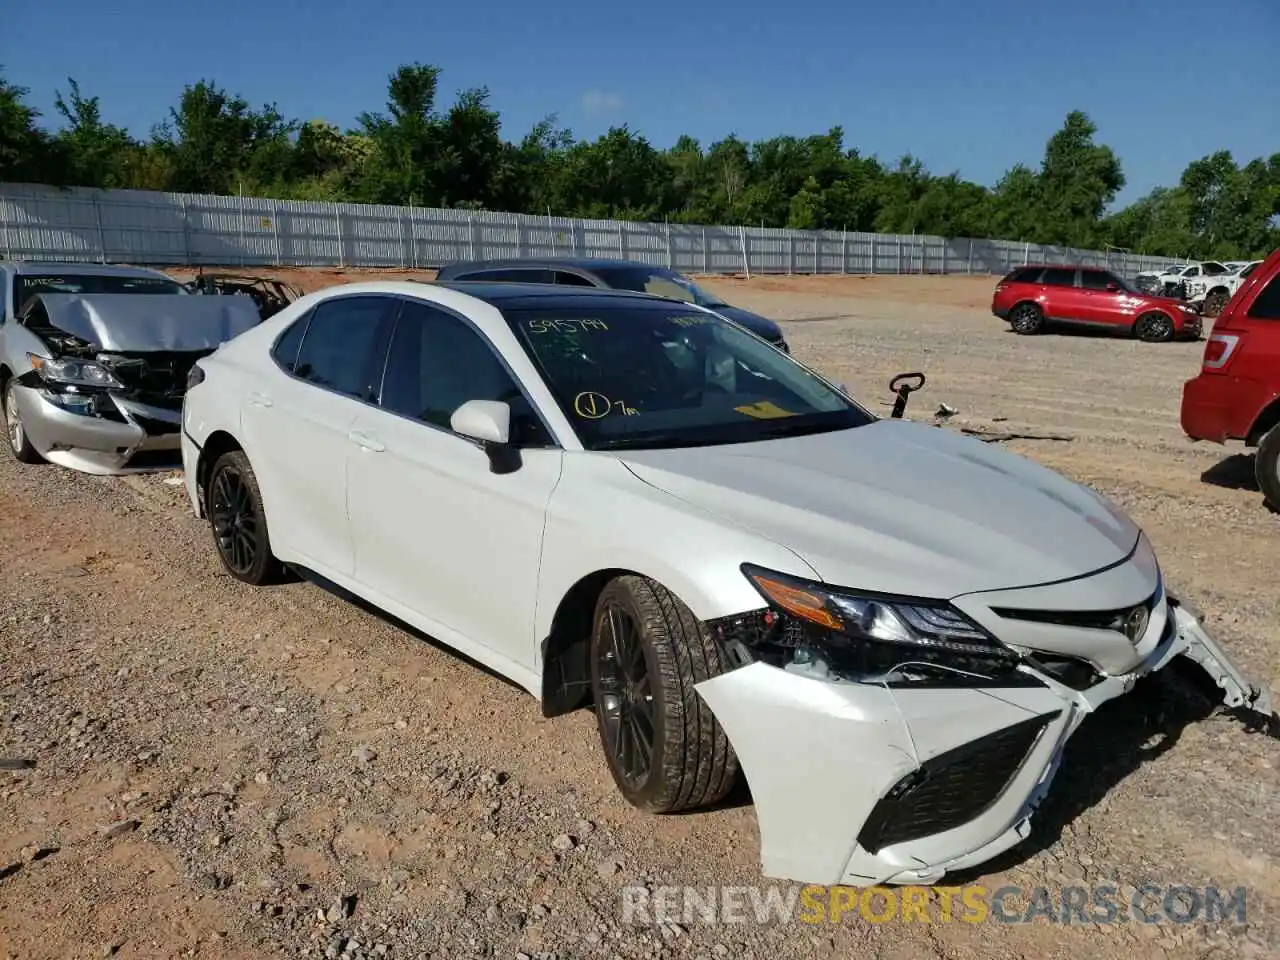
(952, 788)
(1082, 619)
(156, 428)
(158, 379)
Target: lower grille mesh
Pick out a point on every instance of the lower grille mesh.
(952, 788)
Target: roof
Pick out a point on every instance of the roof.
(507, 294)
(584, 263)
(84, 269)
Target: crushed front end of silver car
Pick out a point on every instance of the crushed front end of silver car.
(99, 379)
(891, 740)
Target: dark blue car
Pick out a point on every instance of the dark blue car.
(611, 274)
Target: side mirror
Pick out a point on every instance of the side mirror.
(489, 423)
(1113, 287)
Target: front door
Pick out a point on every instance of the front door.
(435, 529)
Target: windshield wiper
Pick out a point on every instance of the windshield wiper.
(784, 429)
(644, 440)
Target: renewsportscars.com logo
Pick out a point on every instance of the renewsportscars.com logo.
(974, 903)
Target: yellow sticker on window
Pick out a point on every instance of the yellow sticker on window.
(764, 410)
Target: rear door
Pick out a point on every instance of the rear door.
(1060, 298)
(296, 424)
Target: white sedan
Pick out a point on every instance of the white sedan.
(630, 502)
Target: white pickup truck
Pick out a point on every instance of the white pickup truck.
(1210, 294)
(1169, 283)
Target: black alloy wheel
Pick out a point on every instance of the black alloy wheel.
(234, 508)
(627, 697)
(1154, 327)
(1026, 318)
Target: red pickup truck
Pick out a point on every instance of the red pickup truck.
(1236, 396)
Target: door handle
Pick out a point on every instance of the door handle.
(365, 441)
(259, 399)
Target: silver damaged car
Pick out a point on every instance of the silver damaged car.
(94, 362)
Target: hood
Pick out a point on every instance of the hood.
(138, 322)
(761, 326)
(900, 507)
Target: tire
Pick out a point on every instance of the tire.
(1026, 318)
(1153, 327)
(665, 651)
(19, 442)
(233, 504)
(1214, 303)
(1266, 466)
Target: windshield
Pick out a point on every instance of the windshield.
(27, 285)
(660, 282)
(659, 375)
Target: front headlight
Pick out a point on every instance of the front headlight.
(83, 373)
(866, 637)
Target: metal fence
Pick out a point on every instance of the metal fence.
(144, 227)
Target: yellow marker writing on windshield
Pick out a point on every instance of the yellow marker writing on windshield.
(764, 410)
(592, 405)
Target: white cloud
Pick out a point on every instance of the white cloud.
(601, 101)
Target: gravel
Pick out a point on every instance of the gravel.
(189, 766)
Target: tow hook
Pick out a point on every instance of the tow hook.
(903, 385)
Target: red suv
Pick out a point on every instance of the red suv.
(1237, 394)
(1031, 297)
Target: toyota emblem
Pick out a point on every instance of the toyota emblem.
(1135, 624)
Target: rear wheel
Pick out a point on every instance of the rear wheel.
(1154, 327)
(1026, 318)
(1266, 466)
(19, 443)
(664, 747)
(234, 507)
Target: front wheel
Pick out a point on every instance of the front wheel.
(234, 507)
(19, 442)
(1214, 303)
(1154, 327)
(664, 746)
(1266, 466)
(1026, 318)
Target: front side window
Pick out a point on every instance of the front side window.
(437, 363)
(661, 375)
(1096, 279)
(660, 282)
(344, 345)
(1214, 269)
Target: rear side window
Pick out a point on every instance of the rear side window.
(1024, 275)
(1266, 305)
(1059, 277)
(510, 275)
(286, 348)
(345, 344)
(566, 279)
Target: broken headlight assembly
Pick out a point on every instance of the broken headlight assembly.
(76, 386)
(839, 633)
(73, 372)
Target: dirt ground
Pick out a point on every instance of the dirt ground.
(222, 772)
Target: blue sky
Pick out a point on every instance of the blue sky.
(973, 87)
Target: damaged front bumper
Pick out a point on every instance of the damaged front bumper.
(860, 784)
(116, 436)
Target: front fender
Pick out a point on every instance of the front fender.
(603, 517)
